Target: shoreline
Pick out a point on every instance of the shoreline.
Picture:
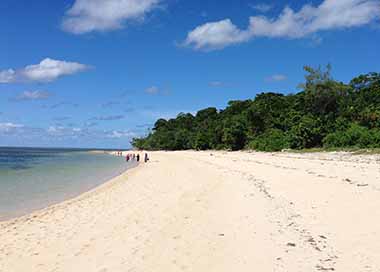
(75, 196)
(106, 183)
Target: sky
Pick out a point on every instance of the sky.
(95, 73)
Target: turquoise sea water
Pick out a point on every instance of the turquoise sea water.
(32, 179)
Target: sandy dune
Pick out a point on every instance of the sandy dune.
(211, 211)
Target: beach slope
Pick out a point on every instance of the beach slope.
(211, 211)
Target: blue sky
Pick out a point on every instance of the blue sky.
(93, 73)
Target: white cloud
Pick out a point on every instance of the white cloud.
(277, 77)
(54, 130)
(61, 131)
(33, 95)
(262, 7)
(47, 70)
(8, 127)
(330, 15)
(120, 134)
(50, 69)
(216, 35)
(103, 15)
(7, 76)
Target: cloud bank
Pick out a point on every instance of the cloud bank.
(46, 71)
(104, 15)
(55, 132)
(329, 15)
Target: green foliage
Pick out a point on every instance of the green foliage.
(234, 133)
(306, 133)
(354, 136)
(271, 140)
(326, 113)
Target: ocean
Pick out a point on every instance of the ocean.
(34, 178)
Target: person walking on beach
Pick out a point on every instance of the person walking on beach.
(146, 158)
(127, 158)
(138, 157)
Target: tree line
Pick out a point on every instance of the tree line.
(324, 113)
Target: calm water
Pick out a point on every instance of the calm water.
(32, 179)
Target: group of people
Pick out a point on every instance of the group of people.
(133, 156)
(136, 157)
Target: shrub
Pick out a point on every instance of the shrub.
(336, 139)
(375, 136)
(306, 133)
(354, 136)
(270, 141)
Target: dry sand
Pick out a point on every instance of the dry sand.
(211, 211)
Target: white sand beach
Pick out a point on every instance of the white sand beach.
(211, 211)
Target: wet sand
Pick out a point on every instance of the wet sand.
(211, 211)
